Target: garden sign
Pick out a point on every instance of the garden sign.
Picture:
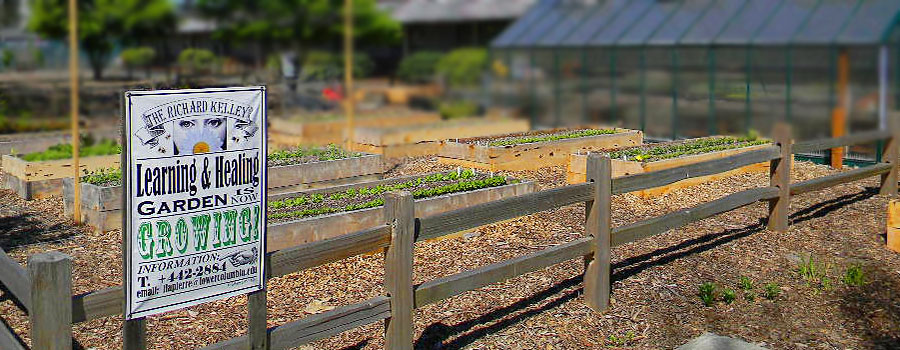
(195, 190)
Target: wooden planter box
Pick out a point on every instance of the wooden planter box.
(41, 141)
(289, 133)
(291, 178)
(101, 207)
(287, 234)
(577, 163)
(32, 180)
(532, 156)
(422, 140)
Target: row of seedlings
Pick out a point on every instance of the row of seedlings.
(288, 171)
(667, 155)
(40, 174)
(533, 150)
(308, 216)
(425, 139)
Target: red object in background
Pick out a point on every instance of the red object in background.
(332, 94)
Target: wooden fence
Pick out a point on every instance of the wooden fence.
(44, 288)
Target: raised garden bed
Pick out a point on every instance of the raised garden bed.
(320, 214)
(421, 140)
(534, 149)
(665, 155)
(36, 175)
(325, 129)
(39, 141)
(300, 168)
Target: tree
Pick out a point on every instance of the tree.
(297, 24)
(102, 24)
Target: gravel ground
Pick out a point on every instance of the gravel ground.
(655, 303)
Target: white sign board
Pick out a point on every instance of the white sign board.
(194, 181)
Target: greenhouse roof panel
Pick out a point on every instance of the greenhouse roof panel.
(653, 18)
(870, 22)
(681, 21)
(515, 30)
(541, 27)
(786, 22)
(713, 22)
(572, 16)
(826, 23)
(622, 22)
(747, 21)
(596, 21)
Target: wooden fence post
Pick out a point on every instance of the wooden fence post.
(398, 265)
(598, 221)
(256, 308)
(890, 155)
(780, 176)
(134, 334)
(51, 301)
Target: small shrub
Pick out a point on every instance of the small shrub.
(463, 67)
(198, 61)
(772, 290)
(708, 292)
(458, 109)
(323, 65)
(8, 58)
(104, 177)
(728, 295)
(746, 283)
(854, 276)
(137, 57)
(419, 67)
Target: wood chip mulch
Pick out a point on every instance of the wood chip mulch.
(655, 303)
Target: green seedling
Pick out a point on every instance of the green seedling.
(562, 136)
(815, 274)
(854, 276)
(697, 146)
(728, 295)
(746, 283)
(623, 340)
(772, 290)
(707, 293)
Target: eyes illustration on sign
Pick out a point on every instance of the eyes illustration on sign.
(196, 136)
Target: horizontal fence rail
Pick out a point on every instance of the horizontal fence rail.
(403, 229)
(643, 181)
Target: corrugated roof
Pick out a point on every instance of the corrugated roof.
(702, 22)
(426, 11)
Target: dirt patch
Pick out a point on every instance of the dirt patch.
(655, 303)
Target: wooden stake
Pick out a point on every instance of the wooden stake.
(893, 226)
(598, 213)
(349, 105)
(73, 90)
(399, 213)
(780, 176)
(839, 114)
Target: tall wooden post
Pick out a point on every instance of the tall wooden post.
(398, 279)
(51, 301)
(349, 106)
(256, 307)
(73, 96)
(780, 176)
(890, 154)
(839, 114)
(598, 221)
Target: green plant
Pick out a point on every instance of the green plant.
(104, 177)
(323, 65)
(300, 154)
(746, 283)
(87, 148)
(458, 109)
(708, 291)
(728, 295)
(772, 290)
(553, 137)
(137, 57)
(197, 61)
(418, 67)
(623, 340)
(814, 273)
(750, 295)
(8, 58)
(463, 67)
(854, 276)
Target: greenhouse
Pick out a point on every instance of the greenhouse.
(691, 68)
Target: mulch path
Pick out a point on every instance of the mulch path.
(656, 280)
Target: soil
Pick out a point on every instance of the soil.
(328, 202)
(655, 281)
(487, 140)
